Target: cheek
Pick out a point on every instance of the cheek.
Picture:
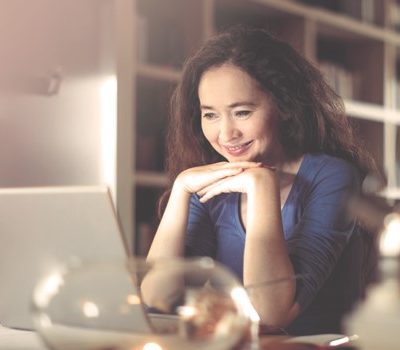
(259, 131)
(267, 128)
(208, 132)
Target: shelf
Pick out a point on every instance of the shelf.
(391, 193)
(156, 72)
(364, 110)
(152, 96)
(150, 179)
(372, 112)
(170, 30)
(393, 116)
(359, 59)
(338, 21)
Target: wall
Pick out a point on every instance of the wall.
(50, 134)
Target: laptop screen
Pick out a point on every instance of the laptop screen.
(43, 228)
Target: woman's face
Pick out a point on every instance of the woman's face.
(238, 118)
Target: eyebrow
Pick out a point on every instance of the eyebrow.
(233, 105)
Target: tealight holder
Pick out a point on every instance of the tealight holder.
(138, 305)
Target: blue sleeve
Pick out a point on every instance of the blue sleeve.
(324, 228)
(200, 238)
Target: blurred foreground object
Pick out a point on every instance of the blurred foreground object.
(376, 320)
(133, 304)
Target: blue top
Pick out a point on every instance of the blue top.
(326, 246)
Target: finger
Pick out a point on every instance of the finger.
(204, 190)
(270, 167)
(244, 164)
(221, 186)
(228, 170)
(201, 179)
(219, 174)
(210, 187)
(213, 191)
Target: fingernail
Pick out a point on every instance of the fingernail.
(270, 167)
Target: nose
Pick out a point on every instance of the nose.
(228, 130)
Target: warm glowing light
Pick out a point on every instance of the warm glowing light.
(133, 299)
(48, 289)
(108, 110)
(389, 242)
(90, 309)
(152, 346)
(240, 296)
(45, 321)
(187, 311)
(343, 340)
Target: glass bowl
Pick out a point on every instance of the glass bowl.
(133, 304)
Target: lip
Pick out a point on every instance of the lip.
(239, 149)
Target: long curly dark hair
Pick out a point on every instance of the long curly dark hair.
(311, 115)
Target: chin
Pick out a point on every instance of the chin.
(240, 158)
(232, 159)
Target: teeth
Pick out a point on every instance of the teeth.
(238, 147)
(234, 148)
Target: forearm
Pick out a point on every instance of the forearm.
(266, 257)
(159, 288)
(170, 236)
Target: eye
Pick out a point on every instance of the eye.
(210, 116)
(242, 114)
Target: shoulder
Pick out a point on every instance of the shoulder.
(322, 174)
(327, 185)
(323, 167)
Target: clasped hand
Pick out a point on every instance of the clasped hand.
(213, 179)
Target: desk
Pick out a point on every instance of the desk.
(12, 339)
(309, 342)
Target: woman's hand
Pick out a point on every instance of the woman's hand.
(248, 179)
(196, 179)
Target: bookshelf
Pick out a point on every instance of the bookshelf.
(355, 43)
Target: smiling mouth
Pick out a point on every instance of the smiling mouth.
(238, 149)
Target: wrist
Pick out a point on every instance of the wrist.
(265, 179)
(179, 189)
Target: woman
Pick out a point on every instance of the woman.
(263, 161)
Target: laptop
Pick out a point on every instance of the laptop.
(42, 228)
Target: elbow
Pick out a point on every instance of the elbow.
(277, 317)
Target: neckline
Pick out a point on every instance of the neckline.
(294, 184)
